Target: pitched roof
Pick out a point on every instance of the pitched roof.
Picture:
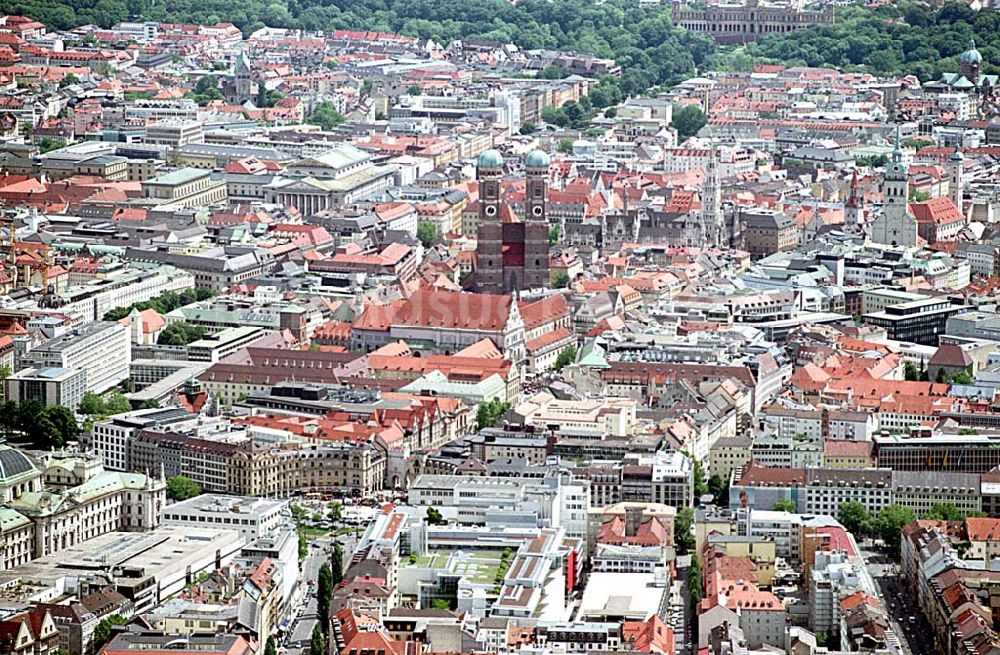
(454, 310)
(939, 210)
(982, 529)
(542, 311)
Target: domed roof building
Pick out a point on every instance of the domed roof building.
(969, 78)
(971, 56)
(537, 159)
(18, 474)
(80, 501)
(490, 159)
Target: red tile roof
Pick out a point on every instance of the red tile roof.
(936, 210)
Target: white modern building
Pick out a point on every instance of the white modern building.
(834, 576)
(138, 282)
(102, 350)
(673, 479)
(557, 500)
(251, 517)
(51, 386)
(783, 528)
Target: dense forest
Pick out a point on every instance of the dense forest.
(910, 38)
(906, 38)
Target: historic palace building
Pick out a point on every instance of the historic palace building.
(743, 24)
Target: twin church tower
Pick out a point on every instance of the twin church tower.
(512, 256)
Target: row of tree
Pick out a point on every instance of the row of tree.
(181, 334)
(98, 407)
(907, 37)
(330, 575)
(166, 302)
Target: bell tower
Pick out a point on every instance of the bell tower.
(243, 78)
(712, 227)
(489, 234)
(956, 182)
(853, 211)
(536, 225)
(896, 226)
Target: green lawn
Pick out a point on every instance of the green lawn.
(348, 530)
(480, 567)
(313, 533)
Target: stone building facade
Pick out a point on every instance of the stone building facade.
(729, 24)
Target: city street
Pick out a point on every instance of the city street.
(302, 626)
(297, 642)
(684, 630)
(901, 604)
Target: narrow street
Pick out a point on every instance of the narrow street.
(900, 604)
(302, 626)
(683, 627)
(297, 641)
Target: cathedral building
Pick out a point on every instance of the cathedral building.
(970, 79)
(242, 89)
(512, 255)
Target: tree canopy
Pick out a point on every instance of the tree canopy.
(684, 530)
(100, 407)
(102, 632)
(565, 357)
(325, 116)
(695, 582)
(337, 563)
(688, 120)
(898, 39)
(434, 516)
(206, 90)
(317, 644)
(164, 303)
(890, 521)
(45, 426)
(426, 233)
(324, 592)
(948, 512)
(641, 38)
(182, 488)
(489, 413)
(785, 505)
(719, 488)
(181, 334)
